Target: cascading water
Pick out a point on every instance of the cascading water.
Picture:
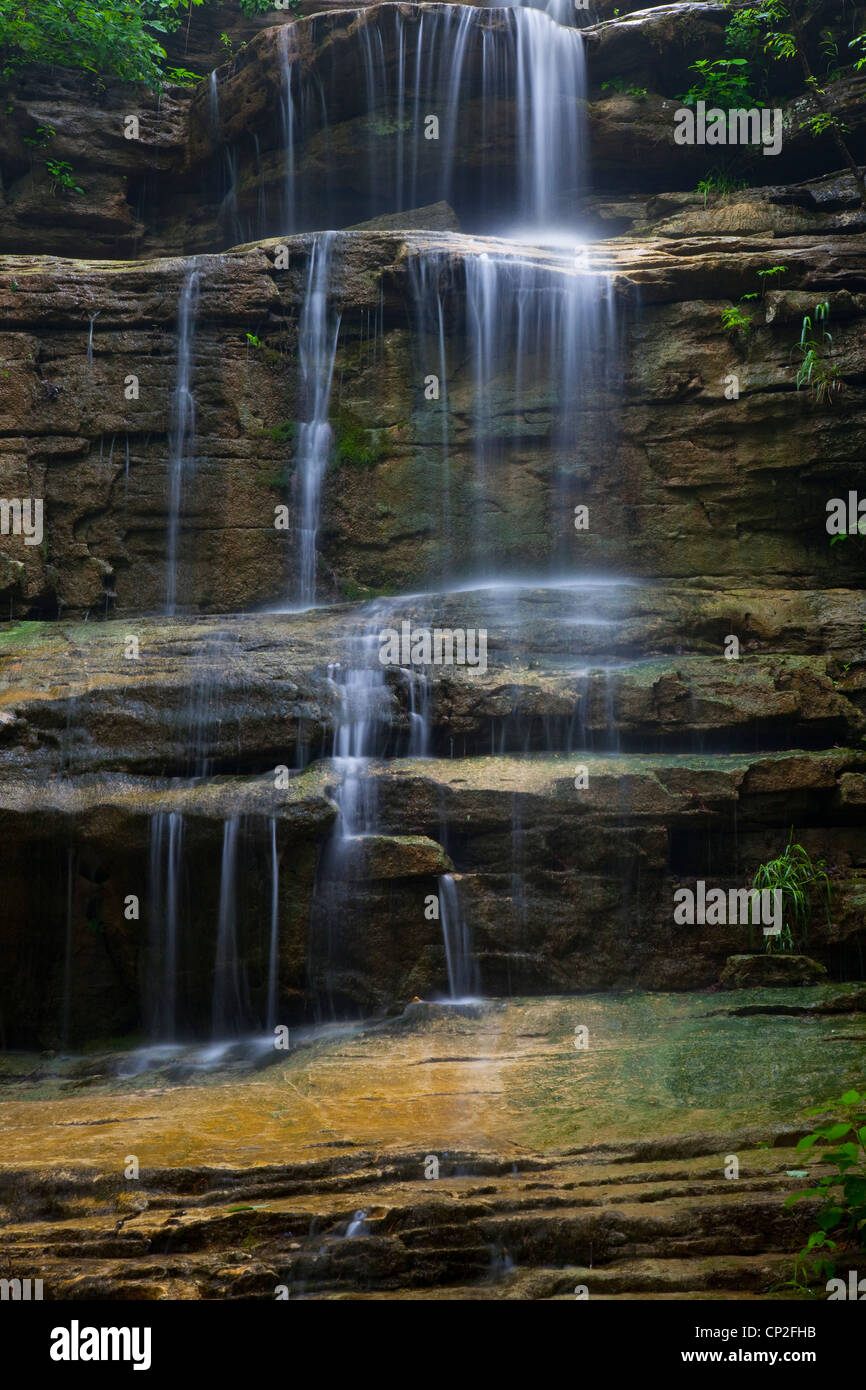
(207, 719)
(419, 713)
(192, 976)
(182, 431)
(166, 863)
(537, 328)
(274, 936)
(357, 1226)
(463, 976)
(364, 734)
(530, 324)
(536, 325)
(551, 150)
(425, 275)
(576, 12)
(513, 69)
(360, 736)
(303, 103)
(317, 347)
(227, 1010)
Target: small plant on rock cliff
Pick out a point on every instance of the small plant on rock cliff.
(720, 82)
(718, 183)
(816, 372)
(842, 1193)
(829, 45)
(283, 433)
(62, 177)
(765, 275)
(355, 444)
(745, 36)
(44, 133)
(182, 77)
(622, 88)
(794, 875)
(735, 321)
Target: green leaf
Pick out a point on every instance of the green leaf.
(829, 1219)
(836, 1131)
(855, 1191)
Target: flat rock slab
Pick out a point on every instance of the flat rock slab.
(395, 856)
(617, 1181)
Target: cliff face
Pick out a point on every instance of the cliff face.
(681, 483)
(204, 167)
(566, 447)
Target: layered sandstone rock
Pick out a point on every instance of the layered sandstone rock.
(705, 473)
(209, 167)
(689, 485)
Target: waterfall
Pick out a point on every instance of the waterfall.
(303, 104)
(93, 318)
(463, 976)
(425, 275)
(228, 184)
(213, 101)
(182, 430)
(173, 995)
(596, 707)
(515, 70)
(357, 1226)
(360, 736)
(288, 53)
(216, 662)
(419, 713)
(563, 11)
(531, 322)
(551, 88)
(226, 1015)
(166, 859)
(317, 347)
(535, 328)
(273, 943)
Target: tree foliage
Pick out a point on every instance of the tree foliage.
(120, 38)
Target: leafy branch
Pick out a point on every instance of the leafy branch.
(843, 1192)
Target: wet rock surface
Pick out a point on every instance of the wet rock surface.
(565, 888)
(235, 817)
(692, 486)
(326, 1187)
(169, 191)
